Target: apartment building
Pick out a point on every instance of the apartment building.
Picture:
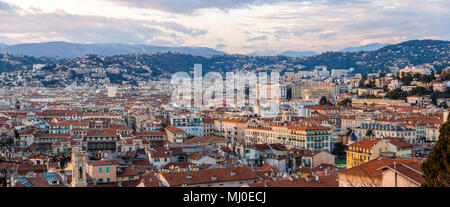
(103, 171)
(374, 130)
(368, 149)
(306, 137)
(57, 127)
(192, 125)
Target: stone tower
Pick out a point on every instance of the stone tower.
(79, 169)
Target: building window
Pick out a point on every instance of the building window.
(107, 169)
(108, 179)
(100, 180)
(100, 169)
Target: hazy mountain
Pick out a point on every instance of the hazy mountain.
(291, 53)
(71, 50)
(288, 53)
(414, 52)
(368, 47)
(263, 53)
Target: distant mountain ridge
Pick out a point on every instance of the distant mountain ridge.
(73, 50)
(368, 47)
(413, 52)
(291, 53)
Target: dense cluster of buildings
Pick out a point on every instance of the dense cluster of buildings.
(133, 136)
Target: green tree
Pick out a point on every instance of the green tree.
(163, 125)
(348, 132)
(345, 102)
(436, 169)
(369, 133)
(443, 105)
(427, 78)
(397, 94)
(339, 150)
(406, 78)
(420, 91)
(323, 101)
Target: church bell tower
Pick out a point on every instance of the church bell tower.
(79, 169)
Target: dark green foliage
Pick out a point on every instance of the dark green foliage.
(345, 102)
(369, 133)
(324, 101)
(406, 79)
(420, 91)
(163, 126)
(436, 168)
(339, 150)
(397, 94)
(443, 105)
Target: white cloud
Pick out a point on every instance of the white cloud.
(240, 26)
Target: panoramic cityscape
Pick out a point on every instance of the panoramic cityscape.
(127, 93)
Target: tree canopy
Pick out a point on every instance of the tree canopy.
(436, 168)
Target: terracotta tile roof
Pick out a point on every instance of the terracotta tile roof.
(205, 176)
(150, 180)
(365, 143)
(261, 147)
(103, 162)
(72, 142)
(373, 167)
(324, 107)
(267, 168)
(130, 140)
(324, 181)
(233, 120)
(208, 120)
(124, 171)
(226, 149)
(70, 123)
(195, 156)
(308, 128)
(59, 135)
(307, 152)
(102, 134)
(28, 166)
(411, 171)
(398, 142)
(144, 163)
(40, 180)
(182, 165)
(206, 139)
(159, 154)
(6, 165)
(175, 130)
(150, 133)
(131, 183)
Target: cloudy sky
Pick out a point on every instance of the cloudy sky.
(233, 26)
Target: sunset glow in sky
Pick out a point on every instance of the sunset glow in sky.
(233, 26)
